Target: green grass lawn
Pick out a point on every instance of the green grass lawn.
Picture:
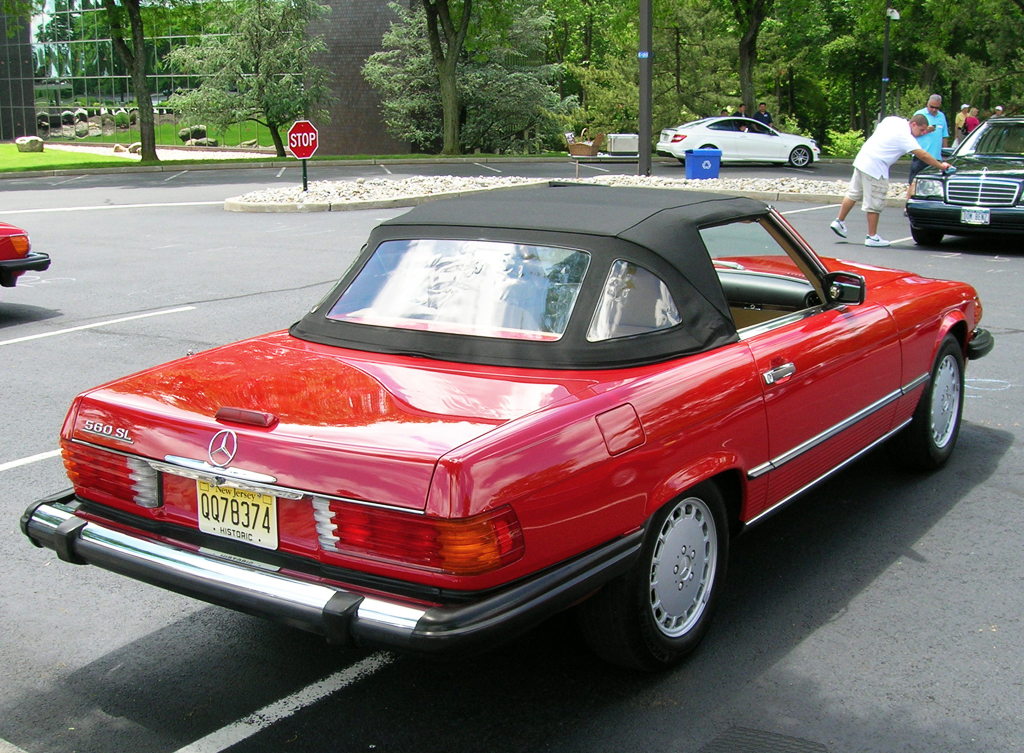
(11, 160)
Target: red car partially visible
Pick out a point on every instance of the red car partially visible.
(557, 397)
(17, 256)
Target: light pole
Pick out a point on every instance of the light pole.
(891, 14)
(644, 55)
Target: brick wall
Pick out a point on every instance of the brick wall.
(352, 31)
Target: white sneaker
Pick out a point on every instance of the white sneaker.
(876, 240)
(839, 228)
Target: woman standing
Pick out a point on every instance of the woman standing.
(972, 119)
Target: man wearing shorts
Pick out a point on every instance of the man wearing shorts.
(893, 138)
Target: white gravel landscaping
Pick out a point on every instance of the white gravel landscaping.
(360, 190)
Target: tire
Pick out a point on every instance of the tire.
(682, 160)
(657, 613)
(800, 156)
(929, 439)
(926, 236)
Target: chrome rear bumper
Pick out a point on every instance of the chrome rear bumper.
(340, 615)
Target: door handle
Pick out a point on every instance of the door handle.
(778, 374)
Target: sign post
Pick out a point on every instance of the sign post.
(303, 140)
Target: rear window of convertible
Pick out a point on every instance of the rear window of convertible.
(466, 287)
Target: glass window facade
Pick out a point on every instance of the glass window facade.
(73, 86)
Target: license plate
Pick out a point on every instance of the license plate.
(237, 514)
(974, 216)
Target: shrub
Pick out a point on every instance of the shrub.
(844, 144)
(121, 119)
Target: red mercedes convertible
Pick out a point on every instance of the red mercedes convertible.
(16, 255)
(513, 404)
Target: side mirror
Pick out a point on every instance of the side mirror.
(946, 152)
(845, 287)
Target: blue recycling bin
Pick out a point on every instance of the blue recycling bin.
(702, 164)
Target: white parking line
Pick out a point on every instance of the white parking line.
(97, 324)
(487, 167)
(6, 747)
(115, 206)
(385, 169)
(62, 182)
(275, 712)
(810, 209)
(281, 171)
(176, 175)
(595, 167)
(26, 461)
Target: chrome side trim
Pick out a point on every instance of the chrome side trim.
(759, 329)
(829, 433)
(825, 475)
(914, 384)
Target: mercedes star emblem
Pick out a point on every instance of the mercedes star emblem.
(223, 447)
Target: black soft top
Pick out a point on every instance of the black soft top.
(655, 228)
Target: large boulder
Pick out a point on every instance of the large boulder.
(29, 144)
(192, 132)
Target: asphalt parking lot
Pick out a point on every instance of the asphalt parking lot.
(882, 612)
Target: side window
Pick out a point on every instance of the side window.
(740, 239)
(723, 125)
(634, 301)
(761, 279)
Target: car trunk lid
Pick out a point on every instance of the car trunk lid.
(313, 417)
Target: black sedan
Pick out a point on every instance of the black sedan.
(983, 196)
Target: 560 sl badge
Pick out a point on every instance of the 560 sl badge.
(107, 430)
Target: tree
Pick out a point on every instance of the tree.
(749, 15)
(503, 85)
(262, 72)
(445, 53)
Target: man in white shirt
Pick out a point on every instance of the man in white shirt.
(893, 138)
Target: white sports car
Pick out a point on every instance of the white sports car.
(740, 140)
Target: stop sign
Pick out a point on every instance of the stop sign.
(302, 139)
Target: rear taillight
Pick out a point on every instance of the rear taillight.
(678, 137)
(21, 244)
(460, 546)
(110, 477)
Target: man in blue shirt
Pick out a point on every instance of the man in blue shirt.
(762, 115)
(933, 141)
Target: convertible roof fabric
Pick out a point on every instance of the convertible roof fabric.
(655, 228)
